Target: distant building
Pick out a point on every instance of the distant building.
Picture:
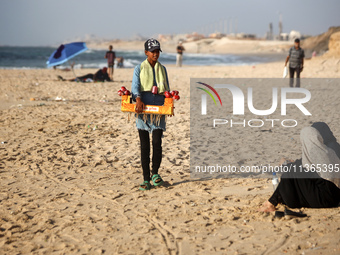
(245, 36)
(284, 37)
(294, 34)
(270, 34)
(280, 25)
(164, 38)
(216, 35)
(194, 36)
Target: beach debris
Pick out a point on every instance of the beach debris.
(40, 99)
(59, 99)
(89, 126)
(266, 130)
(103, 99)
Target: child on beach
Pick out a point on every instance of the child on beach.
(150, 81)
(110, 56)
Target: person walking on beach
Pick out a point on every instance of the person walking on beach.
(295, 58)
(149, 82)
(179, 57)
(110, 56)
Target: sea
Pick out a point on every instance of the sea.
(36, 57)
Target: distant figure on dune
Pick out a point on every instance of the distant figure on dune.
(179, 57)
(312, 181)
(295, 58)
(110, 56)
(100, 75)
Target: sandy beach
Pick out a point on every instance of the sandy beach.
(70, 170)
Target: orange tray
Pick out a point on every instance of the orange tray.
(166, 109)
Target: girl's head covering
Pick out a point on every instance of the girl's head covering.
(327, 136)
(315, 153)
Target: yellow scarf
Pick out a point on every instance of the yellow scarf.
(147, 80)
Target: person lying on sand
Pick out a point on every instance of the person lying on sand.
(313, 180)
(100, 75)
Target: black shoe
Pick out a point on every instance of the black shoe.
(291, 214)
(279, 214)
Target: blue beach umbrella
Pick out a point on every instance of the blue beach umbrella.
(66, 52)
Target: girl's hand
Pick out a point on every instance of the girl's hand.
(139, 105)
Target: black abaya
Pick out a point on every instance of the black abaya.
(310, 191)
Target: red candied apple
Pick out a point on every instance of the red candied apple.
(127, 92)
(176, 97)
(123, 88)
(167, 94)
(120, 93)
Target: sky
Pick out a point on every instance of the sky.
(48, 23)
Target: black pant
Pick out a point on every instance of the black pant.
(145, 151)
(87, 76)
(295, 191)
(296, 70)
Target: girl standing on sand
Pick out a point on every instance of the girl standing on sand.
(150, 81)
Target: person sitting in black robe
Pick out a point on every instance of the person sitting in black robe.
(313, 181)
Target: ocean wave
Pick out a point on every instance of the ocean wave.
(35, 58)
(19, 68)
